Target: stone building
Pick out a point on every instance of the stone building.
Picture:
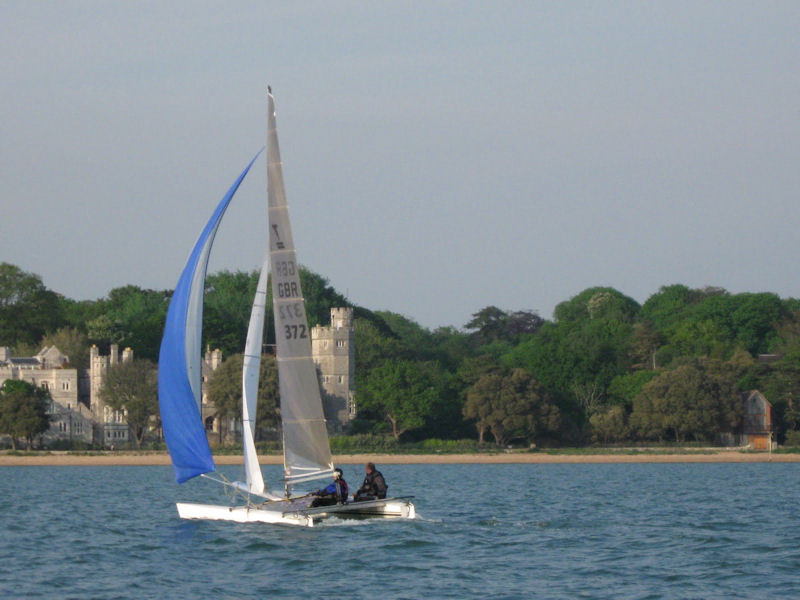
(333, 351)
(217, 429)
(70, 418)
(111, 428)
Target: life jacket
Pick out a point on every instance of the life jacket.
(371, 488)
(341, 490)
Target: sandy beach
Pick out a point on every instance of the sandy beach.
(160, 458)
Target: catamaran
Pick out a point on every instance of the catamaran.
(306, 449)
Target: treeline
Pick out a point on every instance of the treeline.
(605, 369)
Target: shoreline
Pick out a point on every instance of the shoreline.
(55, 459)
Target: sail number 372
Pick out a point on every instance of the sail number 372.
(295, 331)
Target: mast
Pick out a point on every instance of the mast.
(306, 450)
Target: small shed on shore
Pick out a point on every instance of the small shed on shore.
(755, 429)
(756, 421)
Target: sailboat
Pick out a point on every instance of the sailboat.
(306, 448)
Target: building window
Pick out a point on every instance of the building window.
(340, 343)
(45, 385)
(325, 344)
(341, 378)
(65, 386)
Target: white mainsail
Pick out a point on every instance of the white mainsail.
(250, 372)
(306, 450)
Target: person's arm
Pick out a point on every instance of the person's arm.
(380, 484)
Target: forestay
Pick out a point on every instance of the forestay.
(179, 363)
(306, 450)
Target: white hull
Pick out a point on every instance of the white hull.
(285, 513)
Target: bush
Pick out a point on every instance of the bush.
(70, 445)
(366, 442)
(792, 438)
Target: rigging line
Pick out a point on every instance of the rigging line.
(235, 491)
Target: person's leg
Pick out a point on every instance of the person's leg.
(323, 501)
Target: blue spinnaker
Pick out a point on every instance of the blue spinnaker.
(179, 361)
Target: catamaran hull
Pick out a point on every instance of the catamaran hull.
(397, 508)
(240, 514)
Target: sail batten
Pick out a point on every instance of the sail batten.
(306, 450)
(179, 362)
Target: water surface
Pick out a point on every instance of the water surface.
(487, 531)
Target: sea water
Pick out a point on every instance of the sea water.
(485, 531)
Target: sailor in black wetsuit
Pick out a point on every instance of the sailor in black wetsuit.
(335, 493)
(374, 485)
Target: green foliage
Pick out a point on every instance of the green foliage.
(27, 308)
(132, 386)
(344, 444)
(691, 402)
(597, 361)
(792, 438)
(23, 410)
(227, 304)
(623, 389)
(597, 303)
(576, 359)
(229, 298)
(225, 391)
(364, 444)
(610, 425)
(130, 316)
(491, 324)
(404, 393)
(510, 405)
(71, 342)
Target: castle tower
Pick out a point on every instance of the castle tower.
(333, 350)
(112, 427)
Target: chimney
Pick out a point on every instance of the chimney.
(127, 355)
(114, 354)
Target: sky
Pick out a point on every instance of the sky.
(439, 157)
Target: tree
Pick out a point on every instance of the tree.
(689, 402)
(23, 410)
(645, 341)
(492, 324)
(225, 391)
(597, 303)
(669, 305)
(227, 304)
(71, 342)
(132, 386)
(130, 316)
(623, 389)
(27, 308)
(575, 360)
(609, 425)
(404, 393)
(510, 405)
(374, 347)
